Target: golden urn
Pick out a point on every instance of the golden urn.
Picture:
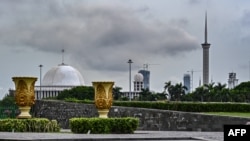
(103, 97)
(24, 94)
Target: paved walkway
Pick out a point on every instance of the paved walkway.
(65, 135)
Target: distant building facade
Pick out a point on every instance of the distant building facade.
(138, 86)
(187, 82)
(146, 78)
(232, 80)
(138, 82)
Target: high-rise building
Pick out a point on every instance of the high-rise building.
(232, 81)
(146, 78)
(187, 82)
(205, 47)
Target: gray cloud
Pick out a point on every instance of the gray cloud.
(194, 1)
(245, 21)
(245, 26)
(96, 36)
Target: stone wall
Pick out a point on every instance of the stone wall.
(150, 119)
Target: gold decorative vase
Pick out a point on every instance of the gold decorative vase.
(24, 94)
(103, 97)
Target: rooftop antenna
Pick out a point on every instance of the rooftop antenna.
(206, 28)
(62, 56)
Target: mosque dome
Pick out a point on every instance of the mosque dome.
(138, 77)
(63, 75)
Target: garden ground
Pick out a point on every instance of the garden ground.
(138, 135)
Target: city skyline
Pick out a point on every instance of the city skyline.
(100, 37)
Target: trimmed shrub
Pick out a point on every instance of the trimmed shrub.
(104, 125)
(182, 106)
(189, 106)
(29, 125)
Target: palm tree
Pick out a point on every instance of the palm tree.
(199, 93)
(209, 93)
(220, 90)
(180, 90)
(117, 93)
(220, 86)
(167, 87)
(176, 91)
(145, 94)
(209, 86)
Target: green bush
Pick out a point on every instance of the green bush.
(29, 125)
(104, 125)
(79, 92)
(181, 106)
(188, 106)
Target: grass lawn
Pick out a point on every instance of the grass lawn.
(234, 114)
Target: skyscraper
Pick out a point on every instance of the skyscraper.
(187, 82)
(205, 47)
(146, 78)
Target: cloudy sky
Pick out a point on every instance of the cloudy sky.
(100, 36)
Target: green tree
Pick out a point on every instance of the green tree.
(209, 93)
(241, 93)
(174, 91)
(167, 87)
(188, 97)
(79, 92)
(199, 93)
(160, 96)
(145, 95)
(8, 106)
(179, 91)
(243, 86)
(117, 93)
(220, 91)
(8, 100)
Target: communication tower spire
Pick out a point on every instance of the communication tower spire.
(206, 28)
(205, 47)
(62, 56)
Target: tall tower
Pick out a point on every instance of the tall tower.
(205, 47)
(146, 78)
(187, 82)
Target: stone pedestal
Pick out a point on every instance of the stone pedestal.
(24, 94)
(103, 97)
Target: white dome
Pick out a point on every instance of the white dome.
(138, 77)
(63, 75)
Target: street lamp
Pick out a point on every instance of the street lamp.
(130, 61)
(38, 97)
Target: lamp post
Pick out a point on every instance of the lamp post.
(130, 61)
(38, 97)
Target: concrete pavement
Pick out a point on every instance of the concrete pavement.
(66, 135)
